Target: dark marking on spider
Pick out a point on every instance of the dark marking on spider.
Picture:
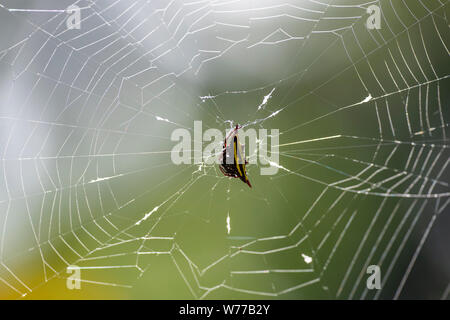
(232, 163)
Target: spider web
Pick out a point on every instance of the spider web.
(85, 124)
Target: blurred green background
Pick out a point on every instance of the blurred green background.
(87, 179)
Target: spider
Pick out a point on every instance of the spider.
(231, 164)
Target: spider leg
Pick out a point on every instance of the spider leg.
(234, 130)
(223, 171)
(231, 175)
(226, 173)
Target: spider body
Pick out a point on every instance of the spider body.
(232, 162)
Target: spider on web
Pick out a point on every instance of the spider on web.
(232, 162)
